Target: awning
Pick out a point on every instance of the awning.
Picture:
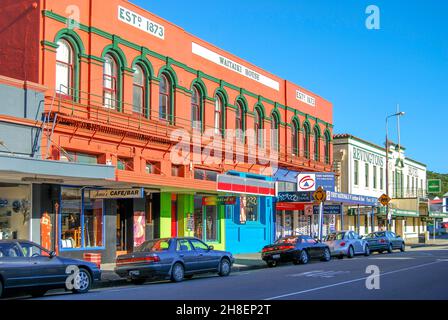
(26, 169)
(399, 212)
(240, 185)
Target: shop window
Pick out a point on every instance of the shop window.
(211, 223)
(125, 164)
(81, 220)
(206, 221)
(248, 209)
(208, 175)
(15, 208)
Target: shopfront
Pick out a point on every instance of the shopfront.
(249, 222)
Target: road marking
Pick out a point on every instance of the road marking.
(442, 260)
(318, 274)
(349, 281)
(392, 258)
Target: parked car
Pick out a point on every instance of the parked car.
(26, 266)
(385, 241)
(173, 258)
(346, 243)
(296, 249)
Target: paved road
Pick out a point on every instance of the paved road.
(416, 274)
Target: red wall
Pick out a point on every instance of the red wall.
(19, 39)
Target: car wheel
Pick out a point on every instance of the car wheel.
(367, 251)
(1, 289)
(403, 247)
(177, 273)
(224, 268)
(83, 281)
(327, 255)
(304, 257)
(138, 282)
(272, 264)
(390, 249)
(38, 293)
(351, 252)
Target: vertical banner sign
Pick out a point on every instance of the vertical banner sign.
(139, 228)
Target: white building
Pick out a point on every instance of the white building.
(361, 168)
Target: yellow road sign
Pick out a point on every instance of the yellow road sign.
(320, 195)
(384, 199)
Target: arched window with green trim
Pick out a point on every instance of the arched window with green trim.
(65, 68)
(219, 113)
(295, 138)
(258, 126)
(165, 97)
(275, 137)
(240, 120)
(139, 90)
(110, 82)
(327, 147)
(306, 140)
(196, 108)
(316, 143)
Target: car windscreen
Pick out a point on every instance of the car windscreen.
(288, 240)
(154, 246)
(10, 250)
(335, 236)
(375, 235)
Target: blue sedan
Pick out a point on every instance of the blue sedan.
(26, 266)
(173, 258)
(381, 241)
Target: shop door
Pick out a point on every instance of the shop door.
(125, 225)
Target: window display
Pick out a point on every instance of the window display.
(15, 209)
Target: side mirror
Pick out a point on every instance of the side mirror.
(211, 248)
(52, 254)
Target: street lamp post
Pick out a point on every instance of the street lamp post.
(398, 114)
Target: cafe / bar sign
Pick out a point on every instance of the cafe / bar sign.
(209, 201)
(226, 200)
(117, 194)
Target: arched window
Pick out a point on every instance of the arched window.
(306, 140)
(295, 138)
(139, 90)
(239, 120)
(316, 143)
(110, 80)
(165, 98)
(219, 107)
(196, 103)
(64, 68)
(274, 132)
(258, 127)
(327, 147)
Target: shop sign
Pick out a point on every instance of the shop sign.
(140, 22)
(368, 157)
(301, 96)
(234, 66)
(117, 193)
(139, 228)
(290, 206)
(328, 209)
(311, 181)
(348, 198)
(226, 200)
(209, 201)
(294, 197)
(434, 186)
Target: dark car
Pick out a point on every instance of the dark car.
(381, 241)
(173, 258)
(26, 266)
(297, 249)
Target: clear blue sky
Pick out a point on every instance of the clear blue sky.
(324, 46)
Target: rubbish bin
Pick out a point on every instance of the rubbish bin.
(422, 238)
(93, 257)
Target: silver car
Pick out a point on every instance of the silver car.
(346, 243)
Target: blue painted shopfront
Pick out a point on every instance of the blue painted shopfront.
(248, 232)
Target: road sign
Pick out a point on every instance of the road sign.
(434, 185)
(384, 199)
(319, 195)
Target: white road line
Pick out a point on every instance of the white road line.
(350, 281)
(392, 258)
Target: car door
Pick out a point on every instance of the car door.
(357, 243)
(45, 270)
(188, 255)
(310, 244)
(206, 258)
(396, 242)
(15, 268)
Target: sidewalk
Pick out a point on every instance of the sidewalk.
(243, 262)
(430, 243)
